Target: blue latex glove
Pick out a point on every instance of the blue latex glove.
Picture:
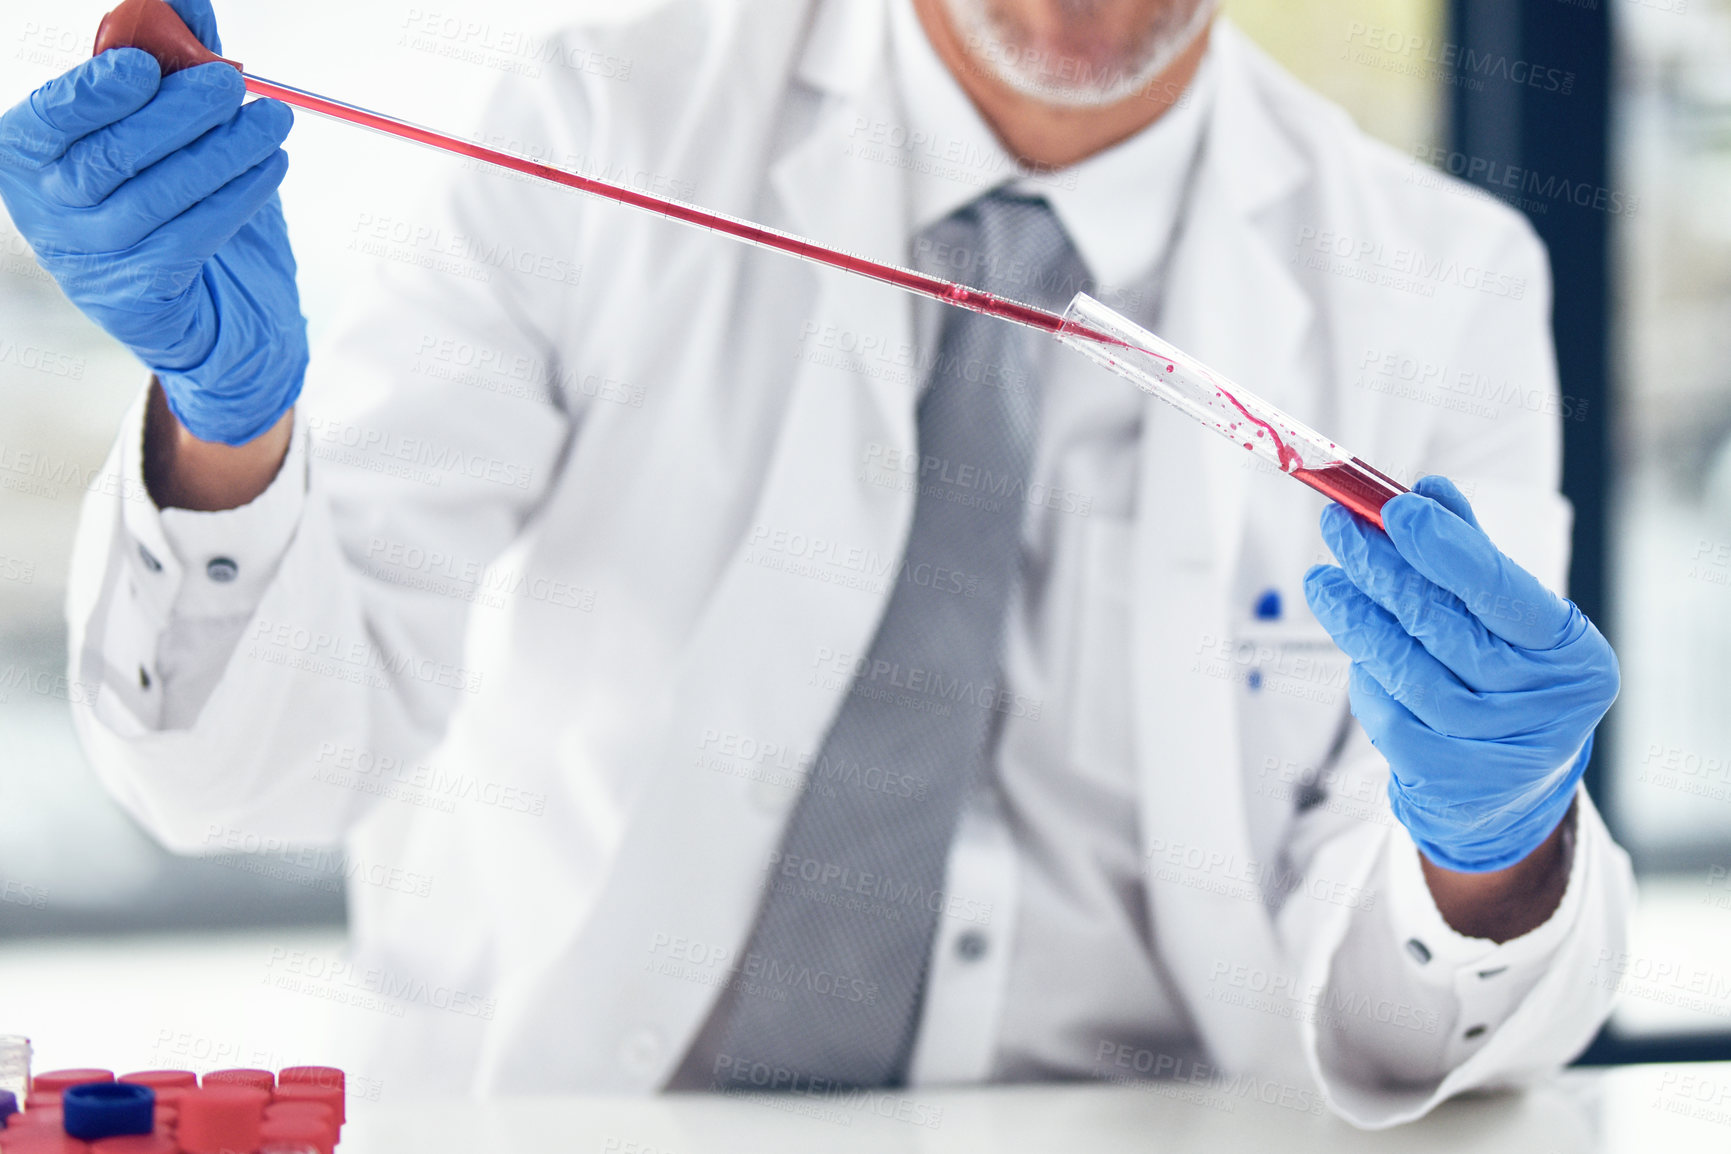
(152, 201)
(1480, 686)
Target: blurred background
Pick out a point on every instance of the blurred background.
(1624, 168)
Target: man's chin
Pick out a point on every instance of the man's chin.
(1056, 73)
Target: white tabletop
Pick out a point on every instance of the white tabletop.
(1645, 1109)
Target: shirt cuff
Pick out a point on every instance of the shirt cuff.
(1488, 980)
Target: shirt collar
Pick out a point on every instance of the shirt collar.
(1118, 206)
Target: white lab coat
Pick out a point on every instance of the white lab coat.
(629, 642)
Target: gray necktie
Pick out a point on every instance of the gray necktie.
(829, 986)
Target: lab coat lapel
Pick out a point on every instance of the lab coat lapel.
(1232, 302)
(837, 194)
(672, 922)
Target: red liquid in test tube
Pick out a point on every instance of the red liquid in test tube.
(1234, 412)
(1356, 485)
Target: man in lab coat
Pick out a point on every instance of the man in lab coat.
(562, 598)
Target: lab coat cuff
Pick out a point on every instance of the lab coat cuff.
(1444, 956)
(1522, 1008)
(229, 558)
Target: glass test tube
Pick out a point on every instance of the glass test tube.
(1236, 413)
(15, 1065)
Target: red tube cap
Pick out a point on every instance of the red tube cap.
(168, 1084)
(258, 1079)
(317, 1075)
(296, 1134)
(158, 29)
(37, 1117)
(318, 1111)
(158, 1142)
(218, 1118)
(43, 1141)
(160, 1080)
(331, 1096)
(54, 1081)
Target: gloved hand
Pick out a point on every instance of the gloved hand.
(152, 201)
(1480, 686)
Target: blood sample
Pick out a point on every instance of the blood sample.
(154, 27)
(1356, 485)
(1241, 416)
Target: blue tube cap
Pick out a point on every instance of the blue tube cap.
(105, 1109)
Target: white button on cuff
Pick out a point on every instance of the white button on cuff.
(222, 570)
